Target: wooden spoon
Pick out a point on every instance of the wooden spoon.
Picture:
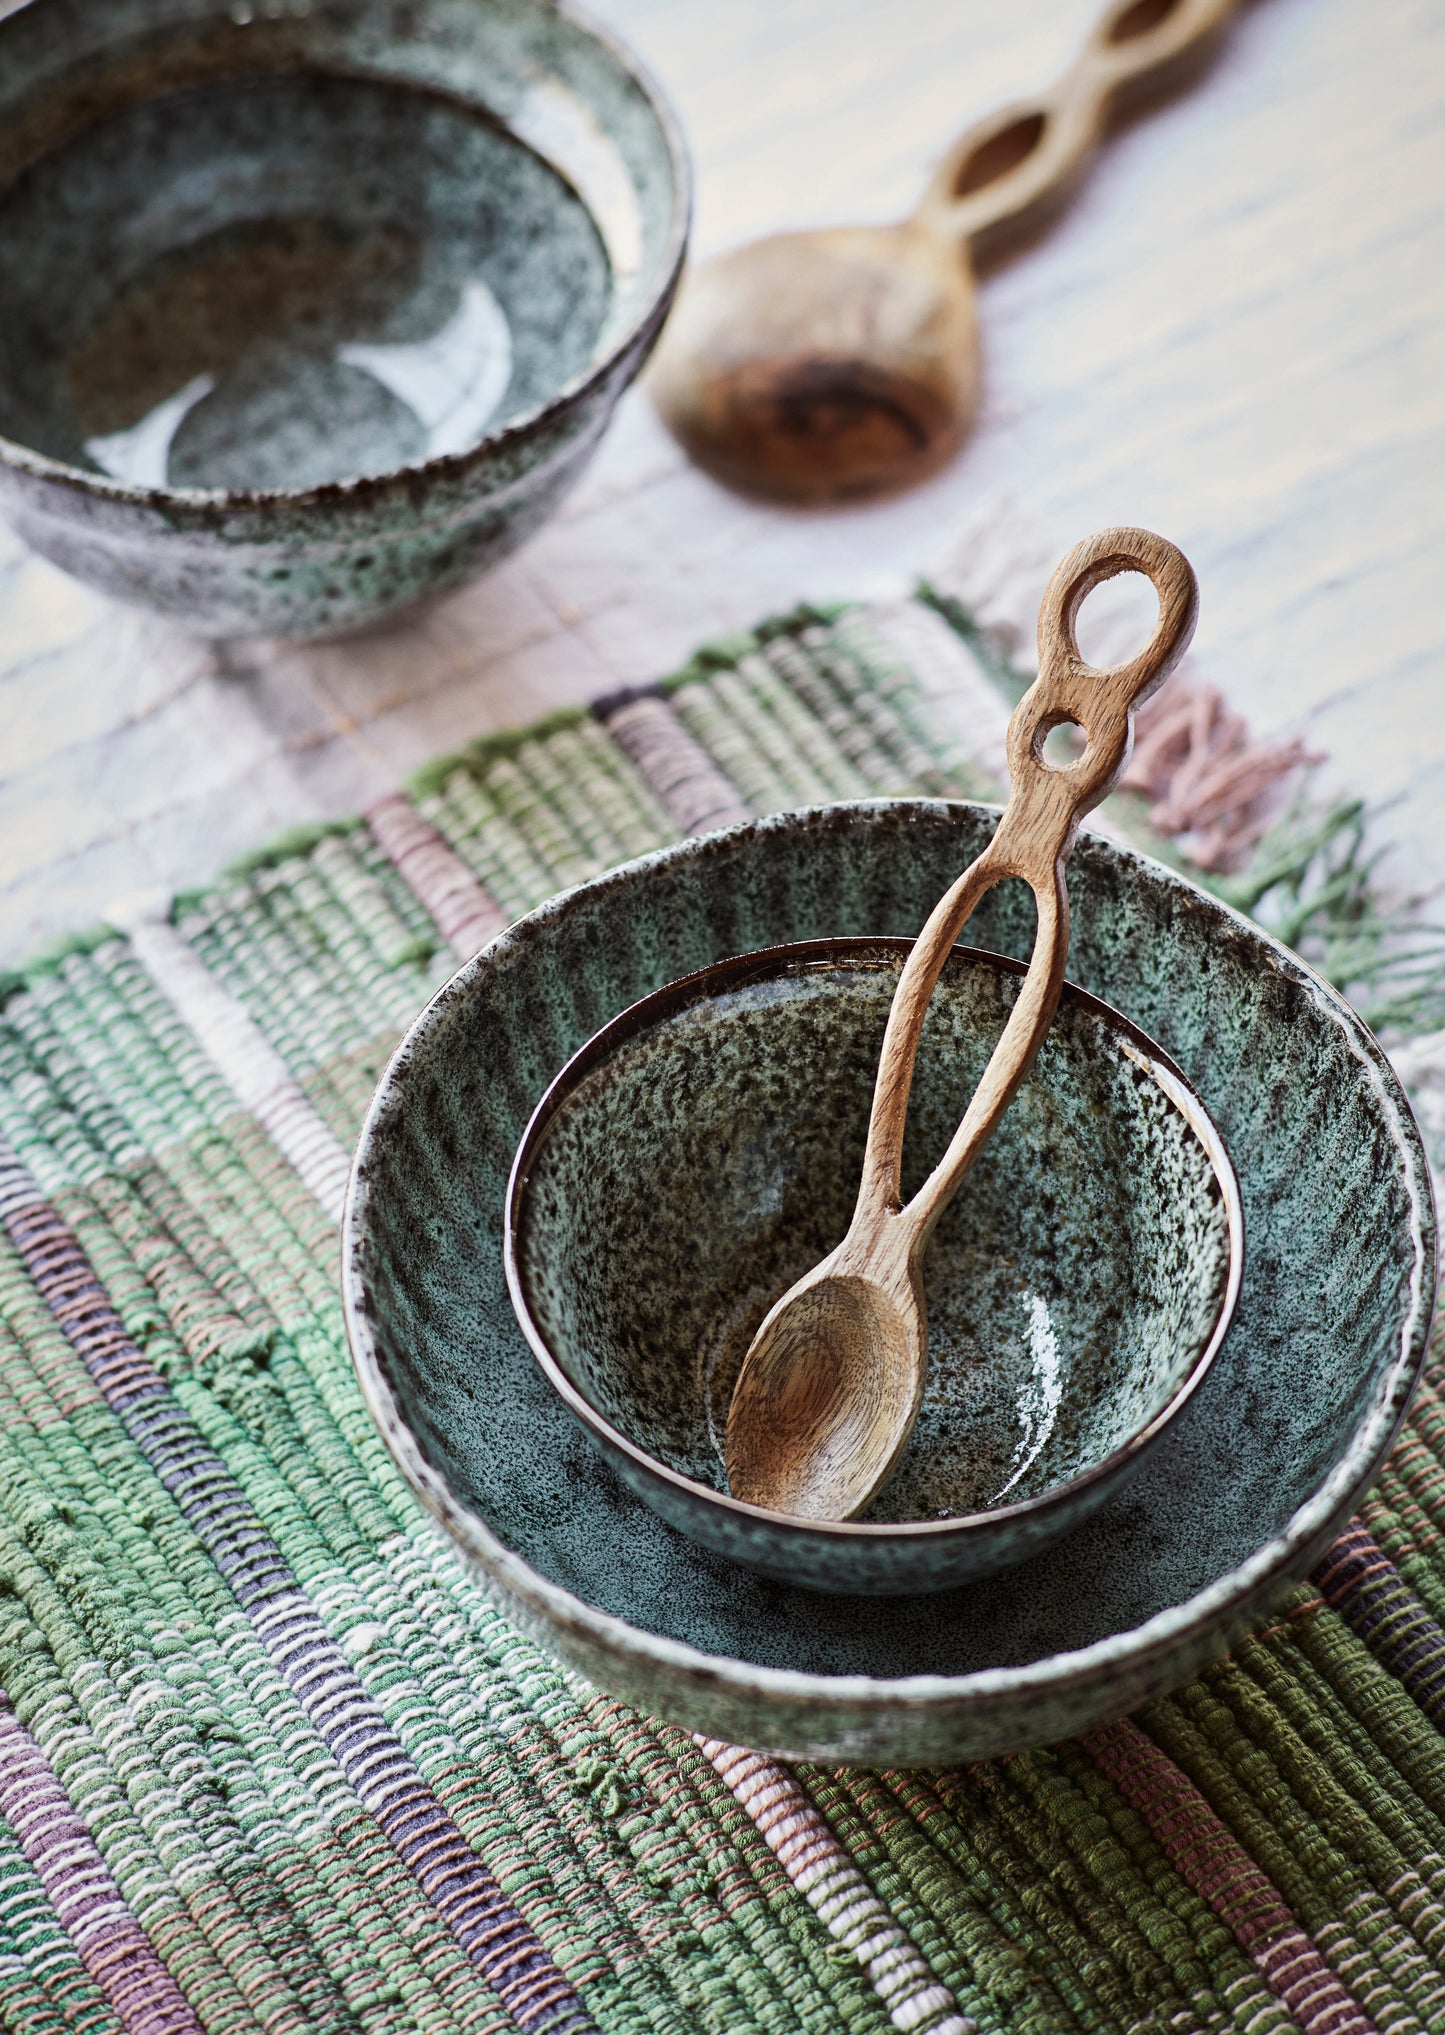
(845, 361)
(831, 1384)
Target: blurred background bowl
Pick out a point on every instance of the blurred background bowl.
(313, 310)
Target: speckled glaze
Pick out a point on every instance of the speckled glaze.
(314, 309)
(1239, 1499)
(704, 1150)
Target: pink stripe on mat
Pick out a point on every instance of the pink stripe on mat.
(676, 766)
(466, 914)
(89, 1905)
(1211, 1860)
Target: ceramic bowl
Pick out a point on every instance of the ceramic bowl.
(1238, 1501)
(314, 307)
(704, 1150)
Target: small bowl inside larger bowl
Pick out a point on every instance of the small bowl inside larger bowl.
(704, 1150)
(1239, 1500)
(312, 310)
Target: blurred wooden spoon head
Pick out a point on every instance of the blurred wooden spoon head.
(814, 366)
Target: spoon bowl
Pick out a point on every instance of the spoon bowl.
(844, 1419)
(815, 366)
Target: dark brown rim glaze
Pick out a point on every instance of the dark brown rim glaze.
(768, 964)
(25, 459)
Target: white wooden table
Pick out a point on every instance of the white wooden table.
(1234, 335)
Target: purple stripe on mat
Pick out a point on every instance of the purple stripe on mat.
(677, 767)
(496, 1938)
(88, 1904)
(467, 915)
(1210, 1859)
(1358, 1579)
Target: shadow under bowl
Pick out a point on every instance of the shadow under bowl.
(703, 1152)
(313, 310)
(1242, 1495)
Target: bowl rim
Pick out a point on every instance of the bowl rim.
(1182, 1631)
(766, 964)
(79, 480)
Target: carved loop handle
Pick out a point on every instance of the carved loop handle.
(1046, 803)
(1033, 841)
(1040, 145)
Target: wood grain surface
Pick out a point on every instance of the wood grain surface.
(831, 1384)
(1231, 334)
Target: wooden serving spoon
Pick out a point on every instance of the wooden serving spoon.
(845, 361)
(831, 1384)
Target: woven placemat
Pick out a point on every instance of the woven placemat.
(268, 1761)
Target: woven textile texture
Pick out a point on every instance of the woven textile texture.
(268, 1761)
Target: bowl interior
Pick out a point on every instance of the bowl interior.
(240, 265)
(274, 282)
(714, 1156)
(1326, 1337)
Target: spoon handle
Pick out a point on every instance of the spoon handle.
(1033, 841)
(1009, 160)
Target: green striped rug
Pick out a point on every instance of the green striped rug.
(268, 1762)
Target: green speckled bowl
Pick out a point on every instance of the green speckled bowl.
(313, 308)
(704, 1150)
(1243, 1493)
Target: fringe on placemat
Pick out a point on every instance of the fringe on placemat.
(1242, 815)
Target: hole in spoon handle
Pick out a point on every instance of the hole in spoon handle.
(1047, 803)
(1009, 162)
(1033, 841)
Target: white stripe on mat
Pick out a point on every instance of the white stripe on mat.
(828, 1880)
(253, 1069)
(967, 709)
(997, 567)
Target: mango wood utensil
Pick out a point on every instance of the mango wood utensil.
(831, 1384)
(845, 361)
